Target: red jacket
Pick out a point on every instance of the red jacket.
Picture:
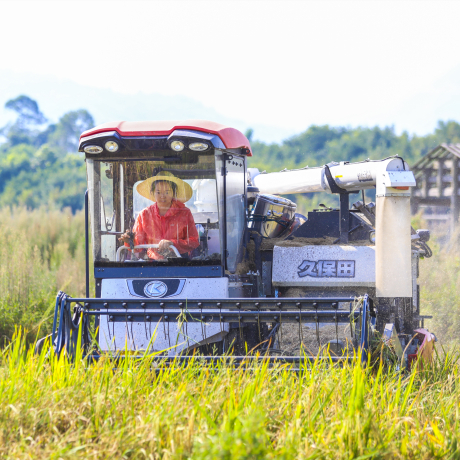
(177, 225)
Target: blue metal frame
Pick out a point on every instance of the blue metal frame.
(163, 271)
(59, 296)
(364, 342)
(58, 342)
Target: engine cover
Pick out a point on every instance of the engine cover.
(314, 266)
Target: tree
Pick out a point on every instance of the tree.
(29, 115)
(29, 119)
(35, 167)
(448, 132)
(249, 133)
(66, 133)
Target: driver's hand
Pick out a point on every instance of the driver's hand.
(163, 245)
(124, 238)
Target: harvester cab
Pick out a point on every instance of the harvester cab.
(194, 253)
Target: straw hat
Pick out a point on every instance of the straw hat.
(184, 191)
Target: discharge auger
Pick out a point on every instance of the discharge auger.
(194, 253)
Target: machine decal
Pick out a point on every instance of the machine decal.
(327, 268)
(155, 288)
(364, 176)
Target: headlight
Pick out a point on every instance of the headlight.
(198, 146)
(177, 146)
(372, 237)
(93, 149)
(111, 146)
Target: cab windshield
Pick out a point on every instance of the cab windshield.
(155, 211)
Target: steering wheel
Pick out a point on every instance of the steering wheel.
(143, 246)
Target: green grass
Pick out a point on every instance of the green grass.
(50, 408)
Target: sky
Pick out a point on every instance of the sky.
(280, 65)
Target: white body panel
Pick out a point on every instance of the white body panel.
(393, 242)
(333, 266)
(136, 335)
(297, 181)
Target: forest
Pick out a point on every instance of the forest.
(40, 166)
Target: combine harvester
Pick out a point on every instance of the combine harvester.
(195, 249)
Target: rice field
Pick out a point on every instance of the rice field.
(140, 409)
(50, 408)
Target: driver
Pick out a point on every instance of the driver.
(166, 222)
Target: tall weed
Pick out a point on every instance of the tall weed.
(440, 290)
(41, 252)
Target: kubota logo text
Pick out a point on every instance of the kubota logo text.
(327, 268)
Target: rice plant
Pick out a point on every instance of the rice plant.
(141, 408)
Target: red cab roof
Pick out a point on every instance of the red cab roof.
(231, 137)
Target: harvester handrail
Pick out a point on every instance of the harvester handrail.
(144, 246)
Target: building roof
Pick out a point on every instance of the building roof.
(441, 152)
(231, 137)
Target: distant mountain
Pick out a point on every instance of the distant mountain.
(57, 96)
